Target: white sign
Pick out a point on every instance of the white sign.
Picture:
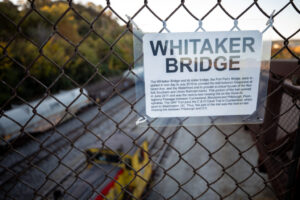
(201, 73)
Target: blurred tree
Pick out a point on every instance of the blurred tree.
(22, 55)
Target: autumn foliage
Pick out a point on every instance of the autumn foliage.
(55, 47)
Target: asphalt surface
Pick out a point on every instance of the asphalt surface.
(199, 175)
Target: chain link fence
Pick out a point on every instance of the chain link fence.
(83, 143)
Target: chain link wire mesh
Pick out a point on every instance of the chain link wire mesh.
(53, 163)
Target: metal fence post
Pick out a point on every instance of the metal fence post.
(293, 185)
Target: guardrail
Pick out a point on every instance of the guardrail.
(277, 139)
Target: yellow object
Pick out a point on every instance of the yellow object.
(143, 168)
(133, 176)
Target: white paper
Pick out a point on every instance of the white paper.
(178, 84)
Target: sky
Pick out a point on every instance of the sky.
(287, 22)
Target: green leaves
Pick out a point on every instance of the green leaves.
(55, 39)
